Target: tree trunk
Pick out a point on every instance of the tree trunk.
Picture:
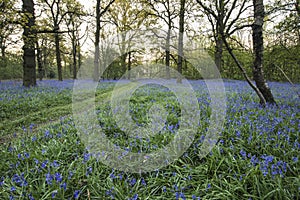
(39, 61)
(219, 52)
(3, 56)
(79, 58)
(45, 60)
(220, 28)
(297, 5)
(29, 37)
(58, 56)
(129, 65)
(180, 40)
(97, 42)
(74, 53)
(167, 51)
(257, 69)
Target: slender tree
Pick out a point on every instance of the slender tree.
(126, 16)
(258, 45)
(59, 9)
(99, 14)
(166, 11)
(29, 38)
(9, 25)
(180, 39)
(74, 23)
(224, 16)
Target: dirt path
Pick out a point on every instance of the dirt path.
(42, 119)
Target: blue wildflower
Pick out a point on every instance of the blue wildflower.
(132, 182)
(55, 164)
(30, 197)
(295, 159)
(182, 196)
(143, 182)
(86, 157)
(58, 177)
(63, 186)
(34, 138)
(2, 181)
(243, 153)
(89, 170)
(135, 197)
(76, 194)
(26, 155)
(13, 188)
(49, 178)
(44, 164)
(70, 175)
(54, 194)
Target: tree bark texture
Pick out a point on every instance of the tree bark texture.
(180, 40)
(29, 37)
(257, 35)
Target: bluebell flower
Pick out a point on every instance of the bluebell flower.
(47, 134)
(20, 180)
(120, 176)
(254, 160)
(132, 182)
(54, 194)
(58, 177)
(89, 170)
(30, 197)
(76, 194)
(34, 138)
(86, 157)
(70, 175)
(26, 155)
(182, 196)
(112, 175)
(13, 188)
(44, 164)
(55, 164)
(36, 161)
(63, 186)
(177, 195)
(238, 133)
(49, 178)
(135, 197)
(243, 153)
(295, 159)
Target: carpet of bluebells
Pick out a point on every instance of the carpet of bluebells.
(42, 157)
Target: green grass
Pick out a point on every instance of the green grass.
(255, 158)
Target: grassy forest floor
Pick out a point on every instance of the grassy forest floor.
(43, 157)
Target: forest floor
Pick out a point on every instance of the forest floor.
(44, 157)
